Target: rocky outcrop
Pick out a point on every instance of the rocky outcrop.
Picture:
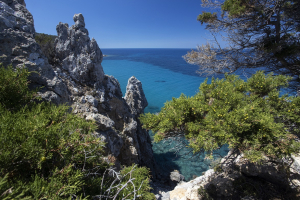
(18, 47)
(239, 178)
(189, 190)
(78, 79)
(137, 102)
(79, 56)
(98, 97)
(135, 96)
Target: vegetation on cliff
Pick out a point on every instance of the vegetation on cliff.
(251, 117)
(48, 153)
(46, 43)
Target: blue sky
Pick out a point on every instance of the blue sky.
(127, 23)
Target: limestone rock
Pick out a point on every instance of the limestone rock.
(135, 96)
(146, 152)
(113, 87)
(176, 176)
(178, 194)
(267, 171)
(79, 56)
(296, 164)
(18, 47)
(114, 142)
(103, 121)
(189, 190)
(160, 190)
(225, 184)
(222, 185)
(91, 100)
(101, 98)
(15, 15)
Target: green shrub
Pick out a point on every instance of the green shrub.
(141, 181)
(47, 152)
(248, 116)
(14, 92)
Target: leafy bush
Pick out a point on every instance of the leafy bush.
(248, 116)
(47, 152)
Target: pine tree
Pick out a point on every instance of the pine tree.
(258, 33)
(250, 117)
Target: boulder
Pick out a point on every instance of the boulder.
(190, 190)
(176, 176)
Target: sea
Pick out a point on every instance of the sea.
(164, 74)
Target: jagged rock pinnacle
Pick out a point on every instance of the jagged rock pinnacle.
(135, 96)
(79, 20)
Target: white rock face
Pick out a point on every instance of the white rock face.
(189, 190)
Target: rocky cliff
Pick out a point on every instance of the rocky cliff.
(78, 80)
(19, 48)
(238, 178)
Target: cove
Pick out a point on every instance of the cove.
(160, 85)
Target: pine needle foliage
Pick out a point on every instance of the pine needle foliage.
(6, 192)
(46, 152)
(258, 33)
(249, 116)
(14, 92)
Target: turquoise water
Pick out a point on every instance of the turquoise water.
(159, 84)
(164, 74)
